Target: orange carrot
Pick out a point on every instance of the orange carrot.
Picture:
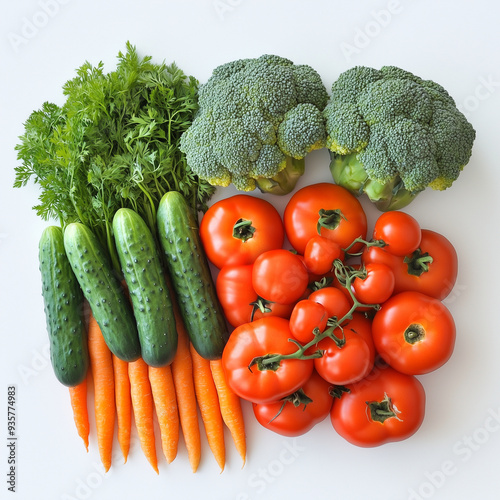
(142, 404)
(78, 398)
(123, 404)
(162, 385)
(101, 363)
(208, 402)
(230, 406)
(182, 371)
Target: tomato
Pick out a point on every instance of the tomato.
(279, 276)
(377, 285)
(351, 361)
(240, 301)
(384, 407)
(306, 316)
(414, 333)
(252, 379)
(236, 230)
(333, 299)
(432, 269)
(320, 253)
(400, 231)
(296, 414)
(326, 209)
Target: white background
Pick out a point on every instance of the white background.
(455, 454)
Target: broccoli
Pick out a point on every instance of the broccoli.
(257, 120)
(392, 134)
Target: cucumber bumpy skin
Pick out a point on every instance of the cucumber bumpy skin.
(190, 275)
(103, 291)
(63, 304)
(147, 286)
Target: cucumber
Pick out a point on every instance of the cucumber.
(190, 274)
(63, 304)
(145, 278)
(102, 289)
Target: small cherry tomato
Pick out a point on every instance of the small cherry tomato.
(334, 300)
(245, 361)
(385, 406)
(375, 285)
(306, 316)
(350, 356)
(320, 253)
(236, 230)
(279, 276)
(400, 231)
(414, 333)
(298, 413)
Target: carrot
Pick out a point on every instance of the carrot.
(182, 371)
(78, 398)
(142, 404)
(123, 404)
(230, 406)
(208, 402)
(101, 363)
(162, 385)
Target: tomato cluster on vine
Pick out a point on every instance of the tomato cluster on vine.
(342, 323)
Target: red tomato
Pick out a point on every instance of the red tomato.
(353, 360)
(333, 299)
(414, 333)
(339, 214)
(320, 253)
(240, 301)
(435, 278)
(251, 379)
(279, 276)
(236, 230)
(295, 415)
(386, 406)
(306, 316)
(377, 286)
(399, 230)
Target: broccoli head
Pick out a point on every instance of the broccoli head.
(257, 120)
(391, 134)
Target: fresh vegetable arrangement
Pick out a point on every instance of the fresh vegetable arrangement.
(359, 332)
(326, 319)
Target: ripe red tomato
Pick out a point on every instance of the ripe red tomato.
(240, 301)
(385, 406)
(255, 381)
(354, 359)
(333, 299)
(279, 276)
(296, 415)
(400, 231)
(326, 209)
(320, 253)
(415, 272)
(414, 333)
(236, 230)
(377, 286)
(305, 317)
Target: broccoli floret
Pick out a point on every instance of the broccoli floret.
(392, 134)
(256, 122)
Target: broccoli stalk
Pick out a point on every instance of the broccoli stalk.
(348, 171)
(284, 181)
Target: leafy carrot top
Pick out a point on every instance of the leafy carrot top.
(113, 143)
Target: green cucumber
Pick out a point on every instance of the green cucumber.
(190, 274)
(147, 286)
(102, 289)
(63, 304)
